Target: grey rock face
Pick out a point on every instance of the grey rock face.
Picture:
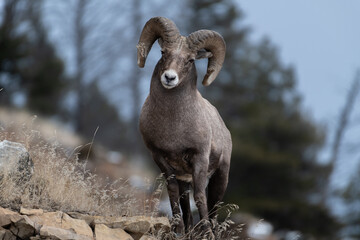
(15, 160)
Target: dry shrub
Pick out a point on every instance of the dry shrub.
(61, 182)
(224, 230)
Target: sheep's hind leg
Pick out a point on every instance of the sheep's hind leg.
(200, 179)
(216, 189)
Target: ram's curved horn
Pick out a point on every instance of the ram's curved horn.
(213, 42)
(157, 27)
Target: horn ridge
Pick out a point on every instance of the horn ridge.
(213, 42)
(157, 27)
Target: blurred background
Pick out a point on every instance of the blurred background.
(288, 91)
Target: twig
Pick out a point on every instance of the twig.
(92, 141)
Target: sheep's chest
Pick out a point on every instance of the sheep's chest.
(176, 139)
(177, 148)
(171, 129)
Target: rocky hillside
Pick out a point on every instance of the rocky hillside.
(29, 179)
(49, 174)
(38, 224)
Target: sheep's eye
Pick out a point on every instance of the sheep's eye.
(162, 52)
(191, 60)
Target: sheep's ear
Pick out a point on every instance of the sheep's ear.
(202, 53)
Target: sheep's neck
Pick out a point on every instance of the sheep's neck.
(178, 98)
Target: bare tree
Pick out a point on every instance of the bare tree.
(342, 126)
(90, 36)
(81, 32)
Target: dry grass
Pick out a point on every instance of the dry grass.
(61, 182)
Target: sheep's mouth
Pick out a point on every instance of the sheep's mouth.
(168, 85)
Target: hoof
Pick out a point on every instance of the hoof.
(204, 231)
(177, 226)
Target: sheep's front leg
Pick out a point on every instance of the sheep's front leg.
(173, 191)
(174, 196)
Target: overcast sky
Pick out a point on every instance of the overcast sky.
(322, 40)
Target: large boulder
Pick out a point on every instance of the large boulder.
(102, 232)
(49, 232)
(15, 161)
(136, 226)
(59, 220)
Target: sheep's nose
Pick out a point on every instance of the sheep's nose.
(169, 77)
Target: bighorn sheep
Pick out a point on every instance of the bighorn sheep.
(184, 132)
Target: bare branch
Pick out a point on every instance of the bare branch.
(342, 126)
(344, 117)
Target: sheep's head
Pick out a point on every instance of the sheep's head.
(179, 52)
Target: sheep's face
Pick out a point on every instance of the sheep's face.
(176, 64)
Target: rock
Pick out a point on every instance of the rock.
(15, 160)
(146, 237)
(60, 234)
(102, 232)
(20, 226)
(63, 221)
(7, 217)
(6, 234)
(35, 224)
(37, 237)
(52, 219)
(140, 224)
(87, 218)
(79, 226)
(2, 232)
(136, 226)
(24, 228)
(26, 211)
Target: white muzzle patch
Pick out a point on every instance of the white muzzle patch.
(169, 79)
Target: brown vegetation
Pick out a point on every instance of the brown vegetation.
(62, 182)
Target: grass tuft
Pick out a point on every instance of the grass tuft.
(224, 230)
